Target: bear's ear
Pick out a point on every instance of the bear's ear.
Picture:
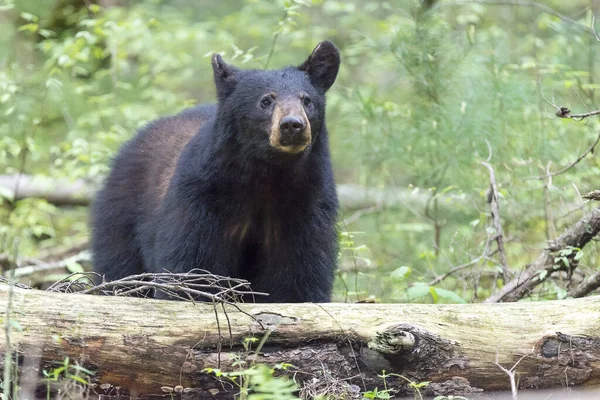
(322, 65)
(226, 77)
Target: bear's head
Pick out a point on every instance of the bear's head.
(276, 113)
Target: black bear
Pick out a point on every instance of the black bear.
(243, 188)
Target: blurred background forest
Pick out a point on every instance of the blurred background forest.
(425, 93)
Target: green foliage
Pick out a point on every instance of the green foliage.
(421, 99)
(257, 381)
(388, 393)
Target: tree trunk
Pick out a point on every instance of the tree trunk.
(143, 345)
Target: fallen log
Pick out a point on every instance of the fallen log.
(143, 345)
(65, 192)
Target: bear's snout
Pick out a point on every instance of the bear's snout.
(292, 129)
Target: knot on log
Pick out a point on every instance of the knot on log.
(569, 357)
(553, 346)
(412, 351)
(394, 340)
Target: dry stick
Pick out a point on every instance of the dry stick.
(594, 27)
(574, 163)
(495, 210)
(511, 374)
(484, 256)
(577, 235)
(587, 286)
(188, 283)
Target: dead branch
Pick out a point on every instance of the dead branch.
(485, 255)
(495, 210)
(511, 375)
(593, 195)
(196, 285)
(576, 236)
(590, 284)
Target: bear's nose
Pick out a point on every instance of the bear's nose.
(291, 125)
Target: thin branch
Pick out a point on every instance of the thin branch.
(484, 256)
(275, 37)
(511, 374)
(589, 150)
(359, 213)
(594, 27)
(495, 210)
(511, 377)
(564, 112)
(194, 285)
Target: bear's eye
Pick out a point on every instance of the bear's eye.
(306, 101)
(266, 102)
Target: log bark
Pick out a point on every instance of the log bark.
(141, 345)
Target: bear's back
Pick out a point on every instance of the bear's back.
(150, 158)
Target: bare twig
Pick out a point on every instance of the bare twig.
(594, 27)
(589, 150)
(484, 256)
(511, 374)
(495, 210)
(195, 285)
(359, 213)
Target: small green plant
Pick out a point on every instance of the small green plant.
(387, 393)
(562, 260)
(73, 377)
(257, 381)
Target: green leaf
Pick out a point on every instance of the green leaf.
(417, 290)
(31, 27)
(449, 295)
(74, 267)
(29, 17)
(401, 273)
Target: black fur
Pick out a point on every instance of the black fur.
(205, 189)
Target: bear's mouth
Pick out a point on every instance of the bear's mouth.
(292, 146)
